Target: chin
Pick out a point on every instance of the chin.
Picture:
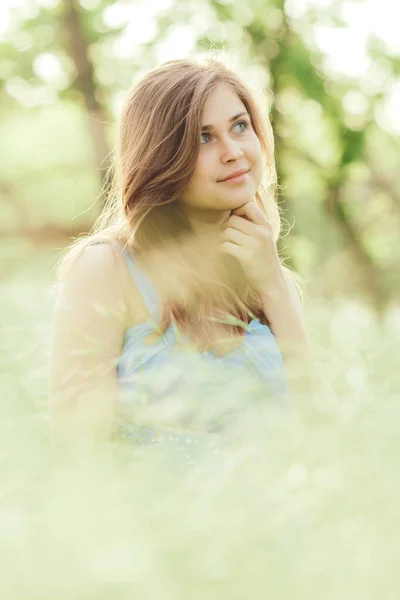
(235, 202)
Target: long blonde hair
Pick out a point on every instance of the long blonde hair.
(155, 156)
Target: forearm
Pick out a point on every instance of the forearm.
(286, 322)
(82, 411)
(284, 314)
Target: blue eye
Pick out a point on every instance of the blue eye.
(201, 137)
(244, 123)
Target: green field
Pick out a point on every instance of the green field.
(301, 509)
(299, 505)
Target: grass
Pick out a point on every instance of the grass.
(298, 510)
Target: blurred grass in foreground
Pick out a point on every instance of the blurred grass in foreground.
(299, 510)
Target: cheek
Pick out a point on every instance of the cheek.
(204, 169)
(256, 150)
(257, 159)
(202, 178)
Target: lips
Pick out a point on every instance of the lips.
(236, 173)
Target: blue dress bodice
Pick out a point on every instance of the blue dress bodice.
(152, 377)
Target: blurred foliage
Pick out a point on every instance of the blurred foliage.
(67, 64)
(299, 509)
(296, 509)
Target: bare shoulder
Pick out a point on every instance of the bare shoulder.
(101, 272)
(93, 279)
(94, 262)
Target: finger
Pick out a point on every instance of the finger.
(232, 249)
(240, 224)
(235, 236)
(252, 212)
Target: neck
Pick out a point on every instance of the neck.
(206, 223)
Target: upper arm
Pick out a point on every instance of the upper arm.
(88, 326)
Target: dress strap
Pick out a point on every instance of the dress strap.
(143, 282)
(145, 285)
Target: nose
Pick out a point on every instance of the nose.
(230, 150)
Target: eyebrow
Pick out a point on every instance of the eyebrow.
(210, 127)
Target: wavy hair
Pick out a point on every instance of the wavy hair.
(155, 156)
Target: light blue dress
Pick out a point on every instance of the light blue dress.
(163, 376)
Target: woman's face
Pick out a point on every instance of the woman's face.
(228, 144)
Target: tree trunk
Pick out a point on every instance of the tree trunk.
(78, 49)
(372, 274)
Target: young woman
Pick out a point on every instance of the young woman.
(181, 266)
